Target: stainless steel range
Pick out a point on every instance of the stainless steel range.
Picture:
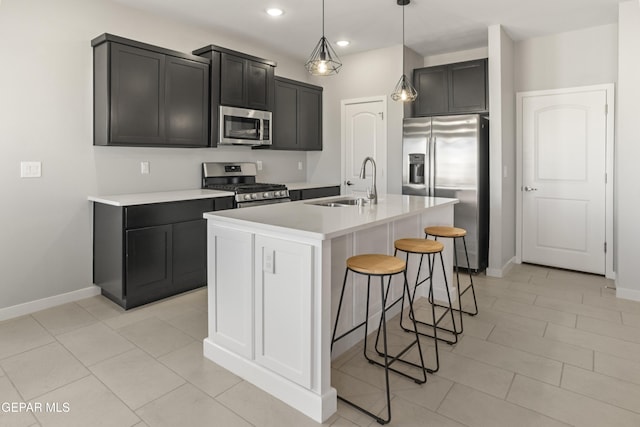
(240, 178)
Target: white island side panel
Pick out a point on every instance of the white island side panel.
(332, 235)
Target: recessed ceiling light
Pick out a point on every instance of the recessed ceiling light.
(275, 11)
(342, 43)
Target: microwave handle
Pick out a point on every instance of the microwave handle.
(260, 129)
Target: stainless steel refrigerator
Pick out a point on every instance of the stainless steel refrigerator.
(448, 156)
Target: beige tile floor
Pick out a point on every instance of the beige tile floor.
(549, 348)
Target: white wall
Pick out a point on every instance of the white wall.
(459, 56)
(576, 58)
(373, 73)
(628, 152)
(501, 151)
(46, 115)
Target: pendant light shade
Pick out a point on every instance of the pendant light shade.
(404, 90)
(323, 60)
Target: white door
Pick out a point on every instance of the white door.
(363, 134)
(564, 147)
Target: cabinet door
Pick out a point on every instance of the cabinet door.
(285, 117)
(309, 119)
(137, 96)
(186, 102)
(189, 255)
(233, 72)
(432, 86)
(259, 86)
(283, 289)
(230, 281)
(467, 86)
(148, 264)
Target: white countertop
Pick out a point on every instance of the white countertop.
(159, 197)
(307, 185)
(304, 219)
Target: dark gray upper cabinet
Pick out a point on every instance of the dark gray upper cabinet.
(297, 116)
(148, 96)
(453, 88)
(432, 84)
(246, 83)
(237, 80)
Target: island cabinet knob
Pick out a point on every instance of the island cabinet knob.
(348, 182)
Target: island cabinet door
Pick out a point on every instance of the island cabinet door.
(230, 282)
(283, 288)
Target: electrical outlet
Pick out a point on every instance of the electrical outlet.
(144, 168)
(30, 169)
(268, 261)
(259, 164)
(299, 166)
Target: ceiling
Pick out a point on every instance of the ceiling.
(432, 26)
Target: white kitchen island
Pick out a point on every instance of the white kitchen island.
(274, 278)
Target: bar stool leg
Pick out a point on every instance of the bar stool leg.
(450, 309)
(335, 327)
(473, 291)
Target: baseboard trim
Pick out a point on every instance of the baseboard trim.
(44, 303)
(501, 272)
(626, 293)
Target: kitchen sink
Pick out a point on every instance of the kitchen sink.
(340, 203)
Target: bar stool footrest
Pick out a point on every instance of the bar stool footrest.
(361, 409)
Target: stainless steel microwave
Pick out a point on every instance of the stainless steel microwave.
(241, 126)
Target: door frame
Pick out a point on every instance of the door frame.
(382, 168)
(609, 88)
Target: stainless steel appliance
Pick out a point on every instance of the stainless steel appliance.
(240, 178)
(448, 156)
(240, 126)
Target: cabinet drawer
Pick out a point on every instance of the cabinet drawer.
(166, 213)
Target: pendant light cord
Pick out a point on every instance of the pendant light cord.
(402, 38)
(322, 18)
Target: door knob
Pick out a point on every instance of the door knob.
(348, 182)
(527, 188)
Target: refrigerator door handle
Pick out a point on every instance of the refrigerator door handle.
(432, 167)
(429, 172)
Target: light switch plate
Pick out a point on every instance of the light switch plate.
(259, 164)
(30, 169)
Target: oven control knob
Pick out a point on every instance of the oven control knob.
(277, 193)
(265, 195)
(254, 196)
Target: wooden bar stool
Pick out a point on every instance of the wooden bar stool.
(456, 233)
(429, 248)
(380, 266)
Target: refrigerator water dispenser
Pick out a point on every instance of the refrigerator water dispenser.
(416, 168)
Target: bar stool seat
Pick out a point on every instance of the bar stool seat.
(418, 246)
(380, 266)
(376, 264)
(456, 233)
(443, 231)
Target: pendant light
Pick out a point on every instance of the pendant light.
(323, 60)
(404, 91)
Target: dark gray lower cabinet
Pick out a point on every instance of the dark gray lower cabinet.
(147, 252)
(314, 193)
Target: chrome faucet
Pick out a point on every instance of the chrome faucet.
(372, 193)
